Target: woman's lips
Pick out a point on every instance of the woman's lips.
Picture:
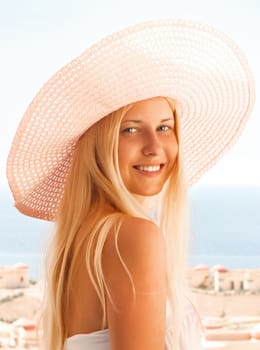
(150, 169)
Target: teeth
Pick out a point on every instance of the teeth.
(149, 168)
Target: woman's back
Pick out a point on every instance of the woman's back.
(85, 309)
(100, 340)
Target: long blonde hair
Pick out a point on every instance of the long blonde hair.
(93, 180)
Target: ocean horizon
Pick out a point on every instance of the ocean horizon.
(225, 228)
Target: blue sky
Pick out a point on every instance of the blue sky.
(38, 37)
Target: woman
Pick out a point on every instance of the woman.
(111, 143)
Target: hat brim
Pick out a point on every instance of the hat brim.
(196, 65)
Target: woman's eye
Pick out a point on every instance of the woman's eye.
(164, 128)
(130, 130)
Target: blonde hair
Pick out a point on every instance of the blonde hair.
(94, 179)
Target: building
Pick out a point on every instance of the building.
(15, 276)
(221, 279)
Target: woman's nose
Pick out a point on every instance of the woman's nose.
(152, 145)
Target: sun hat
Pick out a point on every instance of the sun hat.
(198, 66)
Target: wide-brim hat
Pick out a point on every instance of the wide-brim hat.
(196, 65)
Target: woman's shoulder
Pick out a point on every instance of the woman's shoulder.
(140, 224)
(134, 233)
(139, 246)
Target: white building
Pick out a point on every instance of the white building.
(198, 277)
(252, 280)
(221, 279)
(15, 276)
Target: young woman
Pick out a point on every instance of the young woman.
(107, 150)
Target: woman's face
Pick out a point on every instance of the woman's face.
(147, 148)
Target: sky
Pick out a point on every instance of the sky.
(37, 37)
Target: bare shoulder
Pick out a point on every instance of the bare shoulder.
(137, 235)
(131, 319)
(140, 244)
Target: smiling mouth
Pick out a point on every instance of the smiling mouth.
(149, 168)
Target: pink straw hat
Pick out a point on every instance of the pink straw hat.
(196, 65)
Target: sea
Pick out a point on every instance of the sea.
(224, 229)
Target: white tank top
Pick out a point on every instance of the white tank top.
(191, 335)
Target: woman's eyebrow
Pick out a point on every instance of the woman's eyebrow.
(167, 120)
(131, 121)
(140, 121)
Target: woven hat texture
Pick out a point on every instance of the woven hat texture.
(198, 66)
